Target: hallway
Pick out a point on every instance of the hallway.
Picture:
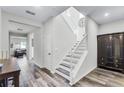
(32, 76)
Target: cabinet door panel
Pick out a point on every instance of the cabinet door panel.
(117, 45)
(101, 51)
(111, 51)
(109, 46)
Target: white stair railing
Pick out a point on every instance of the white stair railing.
(84, 37)
(77, 67)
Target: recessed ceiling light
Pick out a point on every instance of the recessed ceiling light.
(106, 14)
(68, 13)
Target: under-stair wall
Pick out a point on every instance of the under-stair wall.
(38, 47)
(90, 62)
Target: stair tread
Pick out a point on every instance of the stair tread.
(63, 71)
(71, 61)
(63, 75)
(82, 45)
(64, 67)
(78, 52)
(81, 48)
(67, 65)
(73, 56)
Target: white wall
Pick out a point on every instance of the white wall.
(90, 62)
(72, 18)
(58, 39)
(0, 31)
(38, 47)
(36, 53)
(113, 27)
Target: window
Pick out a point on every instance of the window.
(23, 45)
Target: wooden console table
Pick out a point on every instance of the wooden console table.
(10, 69)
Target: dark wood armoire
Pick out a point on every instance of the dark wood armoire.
(111, 51)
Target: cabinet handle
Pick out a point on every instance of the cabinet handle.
(116, 60)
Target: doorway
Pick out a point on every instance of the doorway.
(21, 39)
(18, 44)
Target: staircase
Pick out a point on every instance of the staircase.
(72, 61)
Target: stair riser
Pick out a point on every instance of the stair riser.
(69, 59)
(64, 71)
(63, 75)
(68, 62)
(81, 49)
(69, 66)
(78, 52)
(63, 67)
(77, 57)
(82, 46)
(66, 65)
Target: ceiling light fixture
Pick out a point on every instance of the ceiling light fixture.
(106, 14)
(19, 29)
(30, 12)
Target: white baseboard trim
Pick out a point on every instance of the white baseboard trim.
(51, 70)
(38, 65)
(71, 83)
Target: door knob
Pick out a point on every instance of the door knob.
(49, 53)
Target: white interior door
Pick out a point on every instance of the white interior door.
(48, 49)
(49, 54)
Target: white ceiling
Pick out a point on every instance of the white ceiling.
(97, 13)
(14, 27)
(43, 13)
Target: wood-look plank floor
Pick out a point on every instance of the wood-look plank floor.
(32, 76)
